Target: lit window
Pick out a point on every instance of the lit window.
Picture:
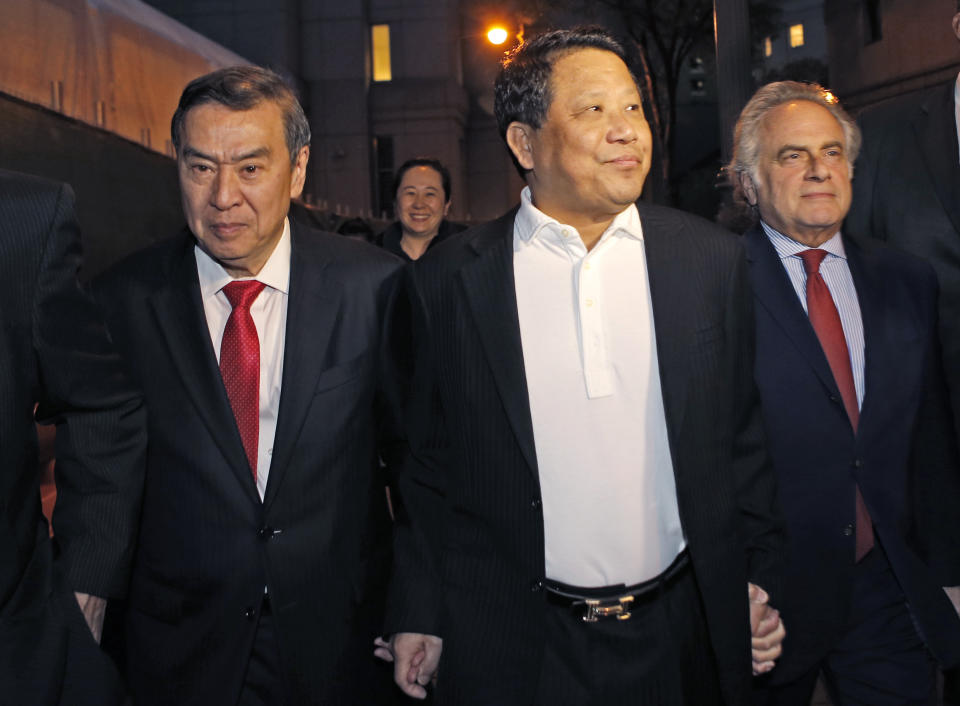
(796, 36)
(380, 41)
(767, 46)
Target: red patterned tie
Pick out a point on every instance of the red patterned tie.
(826, 322)
(240, 365)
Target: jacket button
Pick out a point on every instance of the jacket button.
(536, 586)
(857, 463)
(249, 613)
(848, 531)
(266, 532)
(536, 503)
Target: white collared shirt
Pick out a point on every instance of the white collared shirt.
(269, 313)
(836, 274)
(956, 108)
(589, 347)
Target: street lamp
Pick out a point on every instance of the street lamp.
(497, 35)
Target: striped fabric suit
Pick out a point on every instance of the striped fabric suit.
(54, 350)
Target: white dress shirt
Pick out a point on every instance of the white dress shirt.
(610, 509)
(269, 313)
(836, 275)
(956, 107)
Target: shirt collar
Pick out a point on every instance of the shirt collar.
(788, 247)
(531, 221)
(275, 273)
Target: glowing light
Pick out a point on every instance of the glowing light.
(497, 35)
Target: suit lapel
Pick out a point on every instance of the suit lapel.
(870, 297)
(312, 310)
(179, 311)
(488, 285)
(936, 131)
(671, 298)
(775, 293)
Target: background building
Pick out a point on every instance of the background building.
(883, 48)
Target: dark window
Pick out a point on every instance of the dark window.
(383, 148)
(873, 19)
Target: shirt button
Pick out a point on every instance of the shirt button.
(565, 233)
(589, 302)
(536, 586)
(848, 531)
(586, 266)
(269, 452)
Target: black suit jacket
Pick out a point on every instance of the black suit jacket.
(470, 550)
(208, 545)
(902, 456)
(906, 192)
(54, 351)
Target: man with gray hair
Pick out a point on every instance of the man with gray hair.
(265, 536)
(856, 416)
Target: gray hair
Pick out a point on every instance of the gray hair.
(243, 88)
(746, 135)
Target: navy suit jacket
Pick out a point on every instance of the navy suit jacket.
(319, 540)
(902, 455)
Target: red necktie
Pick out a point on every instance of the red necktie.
(240, 365)
(826, 323)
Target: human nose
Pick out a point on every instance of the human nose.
(226, 191)
(816, 169)
(621, 129)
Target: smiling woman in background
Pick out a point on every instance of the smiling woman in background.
(421, 192)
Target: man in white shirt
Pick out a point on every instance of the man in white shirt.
(856, 415)
(587, 510)
(265, 537)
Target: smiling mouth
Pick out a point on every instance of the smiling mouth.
(625, 161)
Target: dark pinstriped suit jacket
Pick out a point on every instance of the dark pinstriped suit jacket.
(320, 540)
(470, 551)
(54, 350)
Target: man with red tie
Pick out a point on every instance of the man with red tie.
(264, 542)
(856, 416)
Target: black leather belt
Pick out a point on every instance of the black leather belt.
(614, 602)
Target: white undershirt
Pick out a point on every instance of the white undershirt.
(606, 476)
(269, 313)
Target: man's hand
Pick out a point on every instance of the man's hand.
(415, 658)
(766, 630)
(953, 592)
(93, 609)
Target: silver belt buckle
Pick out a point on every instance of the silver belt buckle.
(594, 610)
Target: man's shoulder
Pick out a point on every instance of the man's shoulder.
(144, 269)
(687, 230)
(17, 183)
(467, 243)
(892, 113)
(341, 252)
(890, 263)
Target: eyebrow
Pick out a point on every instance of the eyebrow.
(800, 148)
(252, 154)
